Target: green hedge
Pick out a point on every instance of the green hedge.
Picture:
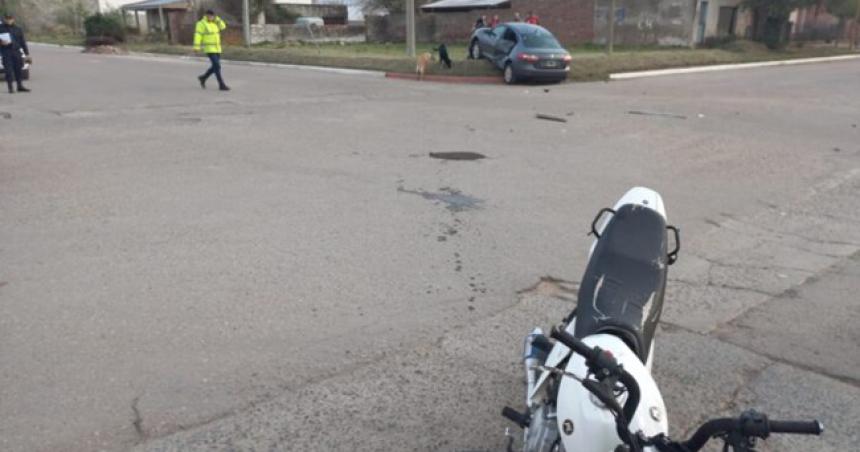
(104, 28)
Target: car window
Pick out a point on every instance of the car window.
(510, 35)
(540, 39)
(500, 30)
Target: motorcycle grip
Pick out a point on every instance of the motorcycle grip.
(801, 427)
(571, 342)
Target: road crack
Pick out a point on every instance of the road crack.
(851, 381)
(137, 421)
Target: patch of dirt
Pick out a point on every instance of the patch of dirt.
(549, 286)
(105, 50)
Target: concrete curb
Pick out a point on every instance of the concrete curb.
(333, 70)
(725, 67)
(446, 78)
(58, 46)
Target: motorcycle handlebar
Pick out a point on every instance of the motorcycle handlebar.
(800, 427)
(707, 431)
(749, 425)
(595, 358)
(571, 342)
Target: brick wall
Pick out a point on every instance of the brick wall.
(571, 21)
(662, 22)
(294, 33)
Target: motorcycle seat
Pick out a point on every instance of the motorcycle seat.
(621, 292)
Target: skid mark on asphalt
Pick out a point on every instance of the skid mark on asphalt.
(453, 199)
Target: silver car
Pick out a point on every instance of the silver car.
(522, 51)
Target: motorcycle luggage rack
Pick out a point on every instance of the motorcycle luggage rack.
(671, 257)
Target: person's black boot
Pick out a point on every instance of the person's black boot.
(202, 80)
(224, 88)
(11, 91)
(22, 89)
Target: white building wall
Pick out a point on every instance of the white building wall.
(743, 18)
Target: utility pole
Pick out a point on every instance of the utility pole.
(697, 11)
(410, 28)
(246, 23)
(610, 38)
(855, 25)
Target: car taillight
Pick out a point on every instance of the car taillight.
(567, 58)
(528, 57)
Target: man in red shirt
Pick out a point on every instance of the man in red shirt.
(532, 19)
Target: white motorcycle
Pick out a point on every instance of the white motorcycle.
(592, 390)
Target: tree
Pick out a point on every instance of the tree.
(71, 13)
(843, 9)
(846, 10)
(771, 19)
(394, 6)
(778, 8)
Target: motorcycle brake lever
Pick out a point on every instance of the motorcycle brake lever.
(557, 371)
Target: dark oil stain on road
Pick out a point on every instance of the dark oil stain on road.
(457, 155)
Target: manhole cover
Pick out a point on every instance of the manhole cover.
(457, 155)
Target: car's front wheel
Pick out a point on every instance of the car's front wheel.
(475, 50)
(510, 77)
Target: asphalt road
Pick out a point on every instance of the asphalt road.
(283, 267)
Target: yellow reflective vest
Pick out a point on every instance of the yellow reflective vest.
(207, 35)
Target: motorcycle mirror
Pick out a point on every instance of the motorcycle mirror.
(673, 255)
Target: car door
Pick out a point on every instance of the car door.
(496, 35)
(487, 39)
(506, 42)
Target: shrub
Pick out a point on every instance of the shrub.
(96, 41)
(105, 27)
(716, 42)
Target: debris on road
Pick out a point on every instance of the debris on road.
(454, 200)
(457, 155)
(656, 113)
(550, 117)
(5, 115)
(104, 50)
(570, 113)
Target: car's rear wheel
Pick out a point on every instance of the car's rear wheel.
(475, 50)
(510, 77)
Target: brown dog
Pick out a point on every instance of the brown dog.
(421, 64)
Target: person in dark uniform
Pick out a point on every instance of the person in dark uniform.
(481, 22)
(12, 42)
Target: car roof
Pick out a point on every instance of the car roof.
(521, 27)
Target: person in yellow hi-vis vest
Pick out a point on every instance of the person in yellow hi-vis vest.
(207, 38)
